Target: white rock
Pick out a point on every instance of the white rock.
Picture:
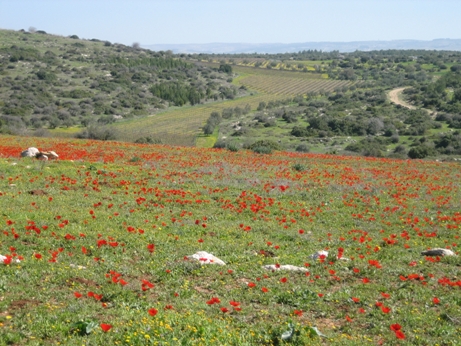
(438, 252)
(285, 267)
(2, 258)
(206, 258)
(30, 152)
(318, 254)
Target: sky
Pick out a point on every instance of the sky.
(236, 21)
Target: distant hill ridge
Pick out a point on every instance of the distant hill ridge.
(235, 48)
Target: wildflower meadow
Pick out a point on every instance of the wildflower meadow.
(97, 247)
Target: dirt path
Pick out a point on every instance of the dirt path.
(394, 96)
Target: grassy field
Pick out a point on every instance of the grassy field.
(183, 123)
(96, 247)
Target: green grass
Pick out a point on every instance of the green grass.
(66, 130)
(184, 121)
(207, 141)
(102, 209)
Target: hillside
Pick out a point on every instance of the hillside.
(322, 102)
(48, 81)
(96, 247)
(350, 112)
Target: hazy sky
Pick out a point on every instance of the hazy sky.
(236, 21)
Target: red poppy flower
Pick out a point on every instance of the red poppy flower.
(213, 300)
(105, 327)
(7, 260)
(152, 311)
(264, 289)
(385, 295)
(146, 285)
(234, 303)
(298, 312)
(395, 327)
(436, 300)
(356, 300)
(399, 334)
(385, 309)
(283, 280)
(77, 295)
(348, 319)
(251, 284)
(224, 310)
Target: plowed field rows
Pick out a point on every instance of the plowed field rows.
(289, 86)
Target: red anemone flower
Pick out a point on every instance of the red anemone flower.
(152, 311)
(105, 327)
(395, 327)
(399, 334)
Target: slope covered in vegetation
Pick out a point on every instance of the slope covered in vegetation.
(48, 81)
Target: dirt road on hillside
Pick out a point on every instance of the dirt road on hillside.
(394, 97)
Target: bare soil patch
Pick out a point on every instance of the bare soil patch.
(394, 97)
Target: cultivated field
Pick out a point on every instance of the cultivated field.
(180, 126)
(96, 247)
(291, 86)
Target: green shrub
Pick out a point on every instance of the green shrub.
(220, 144)
(302, 148)
(299, 167)
(102, 133)
(265, 143)
(148, 140)
(419, 152)
(262, 150)
(232, 147)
